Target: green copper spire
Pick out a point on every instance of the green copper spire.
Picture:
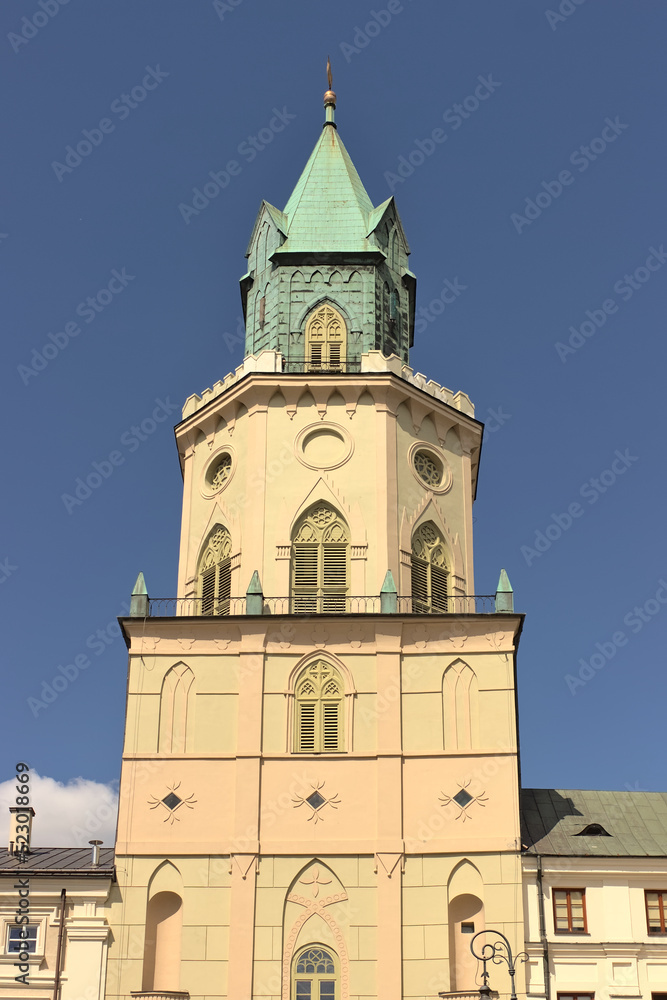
(504, 593)
(330, 247)
(139, 599)
(329, 207)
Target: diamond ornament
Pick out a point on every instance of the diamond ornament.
(462, 798)
(315, 800)
(171, 800)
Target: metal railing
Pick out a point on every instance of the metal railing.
(294, 364)
(332, 604)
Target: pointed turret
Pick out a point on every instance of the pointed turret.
(504, 593)
(319, 251)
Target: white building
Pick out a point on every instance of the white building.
(64, 892)
(595, 894)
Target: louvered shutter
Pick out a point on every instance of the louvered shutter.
(419, 587)
(208, 591)
(315, 355)
(224, 587)
(438, 589)
(330, 726)
(334, 576)
(305, 738)
(334, 355)
(305, 577)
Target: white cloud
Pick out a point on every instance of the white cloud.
(65, 815)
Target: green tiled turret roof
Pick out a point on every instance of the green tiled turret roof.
(329, 208)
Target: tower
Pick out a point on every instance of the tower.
(319, 791)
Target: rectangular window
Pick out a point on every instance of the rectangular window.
(576, 996)
(570, 911)
(656, 902)
(22, 938)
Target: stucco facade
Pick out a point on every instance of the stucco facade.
(319, 793)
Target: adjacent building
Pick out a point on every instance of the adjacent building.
(595, 894)
(64, 892)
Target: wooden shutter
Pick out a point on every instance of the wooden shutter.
(438, 589)
(208, 591)
(334, 565)
(305, 736)
(330, 726)
(334, 576)
(305, 577)
(316, 355)
(419, 587)
(334, 355)
(224, 587)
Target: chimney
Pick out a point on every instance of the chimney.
(20, 817)
(95, 844)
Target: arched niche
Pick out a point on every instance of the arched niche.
(465, 912)
(460, 707)
(176, 710)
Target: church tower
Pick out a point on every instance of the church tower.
(319, 792)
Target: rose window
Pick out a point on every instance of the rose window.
(428, 469)
(221, 472)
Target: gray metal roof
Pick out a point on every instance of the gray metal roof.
(552, 818)
(56, 860)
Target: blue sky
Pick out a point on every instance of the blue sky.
(544, 204)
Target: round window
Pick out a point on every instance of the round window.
(428, 468)
(219, 472)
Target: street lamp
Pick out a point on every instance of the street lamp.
(497, 953)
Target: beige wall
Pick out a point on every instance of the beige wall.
(372, 872)
(294, 442)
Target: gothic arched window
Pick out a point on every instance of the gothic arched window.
(320, 544)
(318, 720)
(386, 298)
(429, 570)
(215, 573)
(315, 975)
(326, 340)
(394, 257)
